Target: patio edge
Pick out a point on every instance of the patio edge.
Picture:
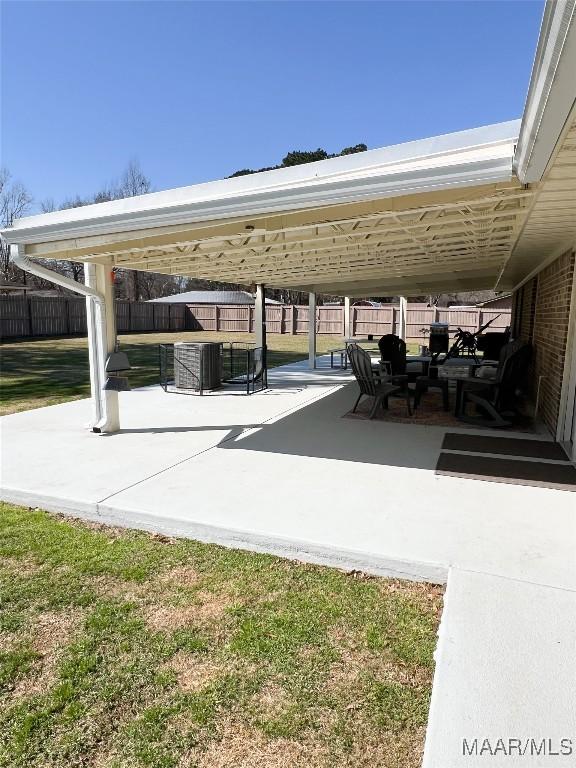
(293, 549)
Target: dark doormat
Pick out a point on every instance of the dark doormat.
(507, 446)
(560, 476)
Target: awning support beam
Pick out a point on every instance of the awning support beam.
(260, 320)
(101, 321)
(403, 313)
(312, 330)
(347, 317)
(101, 316)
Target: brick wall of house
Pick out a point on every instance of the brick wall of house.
(541, 312)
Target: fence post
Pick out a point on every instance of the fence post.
(479, 320)
(67, 314)
(29, 313)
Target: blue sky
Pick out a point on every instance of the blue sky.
(197, 90)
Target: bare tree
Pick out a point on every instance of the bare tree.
(132, 183)
(73, 269)
(15, 201)
(48, 205)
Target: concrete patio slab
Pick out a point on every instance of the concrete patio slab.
(281, 471)
(50, 460)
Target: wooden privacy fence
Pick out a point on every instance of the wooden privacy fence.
(22, 316)
(376, 321)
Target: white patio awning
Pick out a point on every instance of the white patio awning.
(437, 214)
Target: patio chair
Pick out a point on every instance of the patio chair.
(393, 354)
(497, 397)
(372, 383)
(393, 351)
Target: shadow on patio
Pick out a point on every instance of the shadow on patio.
(318, 431)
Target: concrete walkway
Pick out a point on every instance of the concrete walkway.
(282, 472)
(505, 682)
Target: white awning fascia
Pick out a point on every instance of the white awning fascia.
(550, 97)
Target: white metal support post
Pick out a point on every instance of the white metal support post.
(346, 317)
(312, 330)
(260, 319)
(99, 295)
(101, 317)
(402, 318)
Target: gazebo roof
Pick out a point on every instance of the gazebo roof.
(210, 297)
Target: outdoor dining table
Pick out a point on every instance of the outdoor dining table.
(425, 360)
(364, 340)
(460, 381)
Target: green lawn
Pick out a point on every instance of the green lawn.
(122, 649)
(50, 371)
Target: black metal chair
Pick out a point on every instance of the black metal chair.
(372, 383)
(497, 397)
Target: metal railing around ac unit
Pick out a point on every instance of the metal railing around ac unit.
(193, 369)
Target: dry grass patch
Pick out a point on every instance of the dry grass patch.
(421, 591)
(194, 671)
(22, 566)
(207, 607)
(167, 618)
(180, 576)
(47, 637)
(271, 700)
(356, 661)
(112, 532)
(239, 746)
(373, 749)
